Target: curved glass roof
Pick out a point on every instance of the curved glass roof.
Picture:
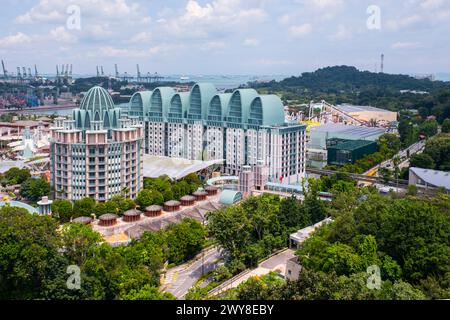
(201, 95)
(217, 108)
(230, 197)
(239, 105)
(140, 103)
(266, 110)
(242, 107)
(19, 204)
(97, 99)
(97, 105)
(178, 105)
(160, 102)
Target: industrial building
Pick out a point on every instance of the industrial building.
(97, 153)
(240, 128)
(341, 152)
(320, 137)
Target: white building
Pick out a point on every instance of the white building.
(241, 128)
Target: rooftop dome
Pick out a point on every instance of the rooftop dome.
(97, 99)
(97, 105)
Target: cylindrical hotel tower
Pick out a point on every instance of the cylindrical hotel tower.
(97, 153)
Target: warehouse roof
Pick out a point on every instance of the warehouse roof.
(350, 130)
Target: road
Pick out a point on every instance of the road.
(275, 263)
(403, 155)
(180, 279)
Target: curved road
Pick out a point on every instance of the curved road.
(180, 279)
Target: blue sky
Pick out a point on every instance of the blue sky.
(227, 36)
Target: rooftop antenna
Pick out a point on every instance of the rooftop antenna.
(382, 63)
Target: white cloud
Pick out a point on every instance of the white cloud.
(55, 11)
(285, 19)
(300, 30)
(142, 37)
(214, 18)
(432, 4)
(322, 4)
(406, 45)
(60, 34)
(213, 45)
(113, 52)
(251, 42)
(14, 40)
(342, 33)
(402, 23)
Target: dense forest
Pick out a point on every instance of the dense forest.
(408, 239)
(344, 84)
(36, 253)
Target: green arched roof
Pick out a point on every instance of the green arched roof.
(230, 197)
(178, 105)
(266, 110)
(140, 103)
(201, 95)
(97, 105)
(160, 102)
(239, 105)
(221, 100)
(242, 107)
(97, 99)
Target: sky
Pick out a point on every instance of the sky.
(232, 37)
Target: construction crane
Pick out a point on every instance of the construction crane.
(117, 71)
(5, 73)
(138, 73)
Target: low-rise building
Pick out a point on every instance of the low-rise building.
(429, 178)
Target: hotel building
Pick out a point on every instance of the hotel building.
(97, 153)
(242, 128)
